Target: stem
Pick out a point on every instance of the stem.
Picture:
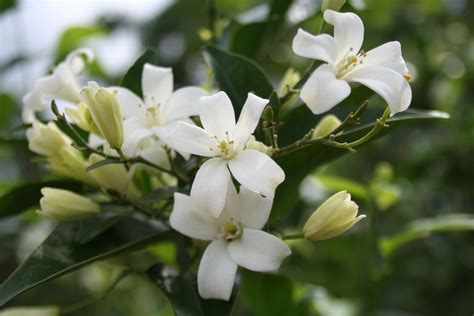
(78, 306)
(293, 237)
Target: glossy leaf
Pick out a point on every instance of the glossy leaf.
(423, 228)
(22, 197)
(181, 290)
(132, 79)
(301, 162)
(237, 76)
(61, 253)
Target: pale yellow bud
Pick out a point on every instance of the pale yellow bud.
(31, 311)
(254, 144)
(113, 177)
(65, 205)
(70, 163)
(325, 126)
(334, 5)
(82, 117)
(335, 216)
(46, 139)
(106, 111)
(289, 80)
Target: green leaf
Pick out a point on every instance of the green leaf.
(22, 197)
(300, 163)
(61, 253)
(6, 5)
(237, 76)
(181, 290)
(160, 194)
(92, 227)
(272, 295)
(423, 228)
(74, 37)
(132, 79)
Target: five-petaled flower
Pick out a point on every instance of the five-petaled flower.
(224, 141)
(381, 69)
(236, 239)
(149, 122)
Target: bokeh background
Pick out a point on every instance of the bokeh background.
(417, 172)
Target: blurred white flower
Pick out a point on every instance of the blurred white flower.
(149, 122)
(236, 239)
(224, 140)
(62, 84)
(381, 69)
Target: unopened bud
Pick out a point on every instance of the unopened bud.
(325, 126)
(64, 205)
(46, 139)
(254, 144)
(289, 80)
(82, 117)
(113, 177)
(268, 114)
(334, 5)
(335, 216)
(31, 311)
(106, 112)
(70, 163)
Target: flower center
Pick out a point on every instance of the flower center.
(151, 116)
(225, 147)
(230, 230)
(349, 62)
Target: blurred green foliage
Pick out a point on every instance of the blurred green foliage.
(425, 263)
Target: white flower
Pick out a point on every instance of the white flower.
(149, 122)
(224, 140)
(236, 239)
(381, 69)
(62, 84)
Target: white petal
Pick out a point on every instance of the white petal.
(192, 139)
(155, 153)
(216, 272)
(134, 133)
(210, 186)
(387, 83)
(319, 47)
(257, 172)
(322, 91)
(165, 131)
(387, 55)
(78, 58)
(252, 210)
(257, 250)
(189, 220)
(132, 105)
(217, 115)
(348, 32)
(157, 84)
(248, 120)
(182, 103)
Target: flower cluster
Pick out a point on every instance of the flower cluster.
(231, 192)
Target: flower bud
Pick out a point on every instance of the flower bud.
(63, 205)
(82, 117)
(289, 80)
(325, 126)
(31, 311)
(106, 112)
(335, 216)
(70, 163)
(254, 144)
(112, 177)
(46, 139)
(335, 5)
